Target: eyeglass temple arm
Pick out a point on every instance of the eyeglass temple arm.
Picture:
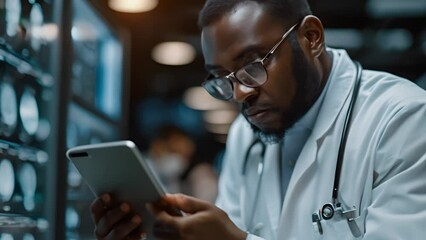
(279, 43)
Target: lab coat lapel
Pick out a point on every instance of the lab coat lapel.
(271, 187)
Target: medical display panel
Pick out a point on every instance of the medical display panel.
(28, 37)
(96, 109)
(97, 61)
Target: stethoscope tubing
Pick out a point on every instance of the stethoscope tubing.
(345, 132)
(259, 171)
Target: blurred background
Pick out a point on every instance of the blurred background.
(166, 72)
(76, 72)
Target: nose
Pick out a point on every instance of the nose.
(242, 92)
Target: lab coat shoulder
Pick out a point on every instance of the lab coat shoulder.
(231, 180)
(397, 109)
(385, 159)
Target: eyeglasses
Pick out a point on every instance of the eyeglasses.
(252, 75)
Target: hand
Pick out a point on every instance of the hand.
(115, 220)
(202, 220)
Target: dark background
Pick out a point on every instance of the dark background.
(176, 20)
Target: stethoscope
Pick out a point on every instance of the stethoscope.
(328, 210)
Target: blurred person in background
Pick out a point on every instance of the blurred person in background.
(173, 156)
(322, 149)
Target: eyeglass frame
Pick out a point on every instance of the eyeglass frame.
(262, 61)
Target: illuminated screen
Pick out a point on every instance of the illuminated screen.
(97, 69)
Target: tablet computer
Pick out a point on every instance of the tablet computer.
(120, 169)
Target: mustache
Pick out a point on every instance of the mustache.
(248, 103)
(251, 105)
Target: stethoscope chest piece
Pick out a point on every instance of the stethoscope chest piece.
(327, 211)
(330, 211)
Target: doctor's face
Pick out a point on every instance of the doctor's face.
(248, 34)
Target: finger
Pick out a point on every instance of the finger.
(138, 234)
(100, 205)
(125, 229)
(186, 203)
(164, 231)
(161, 215)
(110, 218)
(161, 209)
(166, 226)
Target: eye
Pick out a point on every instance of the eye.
(250, 58)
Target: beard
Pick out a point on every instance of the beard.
(308, 86)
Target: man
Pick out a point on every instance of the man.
(269, 57)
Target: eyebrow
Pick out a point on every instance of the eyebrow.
(248, 50)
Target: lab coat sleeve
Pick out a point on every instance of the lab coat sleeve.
(398, 201)
(253, 237)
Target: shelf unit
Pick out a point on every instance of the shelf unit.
(63, 80)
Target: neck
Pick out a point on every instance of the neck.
(326, 63)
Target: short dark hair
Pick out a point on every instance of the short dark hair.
(290, 11)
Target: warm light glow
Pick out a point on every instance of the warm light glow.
(48, 32)
(218, 128)
(197, 98)
(133, 6)
(225, 116)
(82, 31)
(173, 53)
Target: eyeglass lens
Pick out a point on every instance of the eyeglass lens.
(252, 75)
(219, 88)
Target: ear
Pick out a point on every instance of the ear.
(312, 33)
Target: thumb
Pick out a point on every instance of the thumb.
(186, 203)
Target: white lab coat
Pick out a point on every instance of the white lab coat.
(383, 173)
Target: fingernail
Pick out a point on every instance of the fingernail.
(136, 219)
(125, 207)
(106, 198)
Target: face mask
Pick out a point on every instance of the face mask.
(171, 166)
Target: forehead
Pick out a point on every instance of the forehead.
(249, 25)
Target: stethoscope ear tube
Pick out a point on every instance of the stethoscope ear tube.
(345, 132)
(246, 157)
(258, 226)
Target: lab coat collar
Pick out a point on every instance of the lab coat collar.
(341, 79)
(272, 191)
